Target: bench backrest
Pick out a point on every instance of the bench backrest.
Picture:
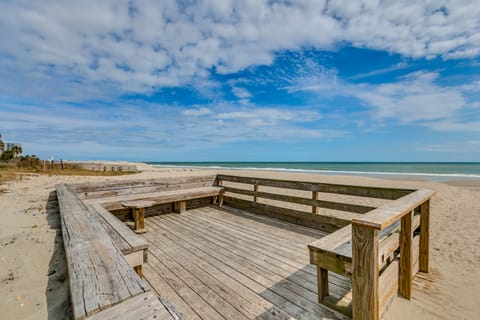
(126, 187)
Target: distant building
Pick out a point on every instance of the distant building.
(9, 146)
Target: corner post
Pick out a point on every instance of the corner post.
(365, 277)
(406, 256)
(424, 236)
(255, 190)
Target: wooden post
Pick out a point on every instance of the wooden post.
(406, 256)
(322, 282)
(424, 236)
(220, 196)
(139, 218)
(255, 189)
(365, 299)
(220, 199)
(180, 206)
(314, 197)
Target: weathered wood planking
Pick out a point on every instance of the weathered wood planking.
(161, 196)
(123, 236)
(384, 216)
(118, 185)
(299, 200)
(234, 267)
(99, 275)
(380, 244)
(144, 306)
(362, 191)
(129, 190)
(325, 223)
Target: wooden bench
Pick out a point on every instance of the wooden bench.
(334, 252)
(178, 197)
(133, 247)
(103, 285)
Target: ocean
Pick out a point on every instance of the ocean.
(431, 171)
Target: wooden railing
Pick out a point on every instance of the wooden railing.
(378, 275)
(389, 244)
(314, 219)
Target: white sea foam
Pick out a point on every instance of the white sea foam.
(434, 176)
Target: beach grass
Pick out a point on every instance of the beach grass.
(8, 173)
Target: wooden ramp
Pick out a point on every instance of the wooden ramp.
(215, 263)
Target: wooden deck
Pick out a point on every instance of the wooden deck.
(215, 263)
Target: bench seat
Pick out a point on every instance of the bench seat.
(159, 197)
(99, 275)
(334, 251)
(132, 246)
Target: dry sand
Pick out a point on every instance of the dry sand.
(33, 282)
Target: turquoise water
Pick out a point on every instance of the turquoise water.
(437, 171)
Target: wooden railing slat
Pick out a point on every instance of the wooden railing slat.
(305, 201)
(361, 191)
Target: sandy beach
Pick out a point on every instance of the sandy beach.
(34, 284)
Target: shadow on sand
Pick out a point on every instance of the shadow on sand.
(57, 293)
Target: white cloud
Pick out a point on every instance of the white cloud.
(415, 97)
(241, 93)
(109, 48)
(472, 147)
(197, 112)
(455, 126)
(152, 128)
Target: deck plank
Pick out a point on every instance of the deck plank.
(251, 243)
(280, 236)
(238, 295)
(219, 263)
(163, 289)
(279, 264)
(211, 250)
(192, 298)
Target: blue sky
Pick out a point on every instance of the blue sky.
(242, 80)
